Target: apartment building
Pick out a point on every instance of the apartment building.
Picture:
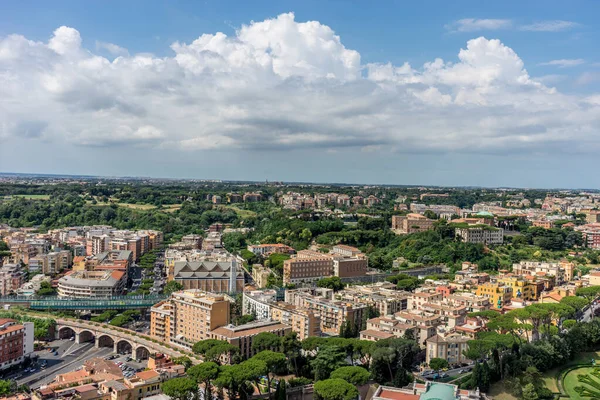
(92, 284)
(497, 294)
(380, 296)
(188, 316)
(261, 275)
(268, 249)
(424, 324)
(562, 271)
(11, 278)
(252, 197)
(16, 342)
(243, 335)
(480, 234)
(332, 314)
(521, 288)
(264, 305)
(472, 302)
(411, 223)
(416, 300)
(348, 261)
(448, 346)
(385, 328)
(543, 223)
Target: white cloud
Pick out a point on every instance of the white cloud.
(476, 24)
(550, 26)
(282, 84)
(565, 63)
(112, 48)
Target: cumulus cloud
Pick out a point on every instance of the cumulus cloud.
(565, 63)
(283, 84)
(112, 48)
(550, 26)
(477, 24)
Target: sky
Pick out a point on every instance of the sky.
(465, 93)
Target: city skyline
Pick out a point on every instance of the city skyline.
(476, 95)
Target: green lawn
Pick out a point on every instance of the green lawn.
(498, 392)
(242, 213)
(571, 382)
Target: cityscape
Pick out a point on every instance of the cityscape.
(299, 200)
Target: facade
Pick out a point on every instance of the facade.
(497, 294)
(481, 234)
(188, 317)
(562, 271)
(307, 267)
(210, 276)
(11, 278)
(260, 275)
(381, 296)
(449, 347)
(242, 336)
(268, 249)
(92, 284)
(16, 342)
(411, 223)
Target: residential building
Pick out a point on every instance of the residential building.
(252, 197)
(16, 342)
(381, 296)
(497, 294)
(333, 314)
(261, 275)
(92, 284)
(448, 346)
(543, 223)
(243, 335)
(411, 223)
(384, 328)
(427, 391)
(307, 266)
(188, 316)
(268, 249)
(12, 276)
(562, 271)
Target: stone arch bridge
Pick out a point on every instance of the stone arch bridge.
(122, 341)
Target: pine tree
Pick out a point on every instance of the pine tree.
(529, 392)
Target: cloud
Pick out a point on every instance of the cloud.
(565, 63)
(475, 24)
(113, 49)
(280, 84)
(550, 26)
(588, 77)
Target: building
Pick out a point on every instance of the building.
(268, 249)
(543, 223)
(480, 234)
(307, 266)
(384, 328)
(427, 391)
(411, 223)
(242, 336)
(210, 276)
(562, 271)
(333, 314)
(114, 260)
(16, 342)
(448, 346)
(381, 296)
(11, 278)
(51, 263)
(591, 234)
(188, 316)
(348, 261)
(92, 284)
(261, 275)
(497, 294)
(252, 197)
(521, 288)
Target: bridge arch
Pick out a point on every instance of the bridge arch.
(66, 332)
(124, 347)
(105, 341)
(142, 353)
(86, 336)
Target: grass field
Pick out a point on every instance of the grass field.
(33, 196)
(143, 207)
(498, 392)
(170, 208)
(242, 213)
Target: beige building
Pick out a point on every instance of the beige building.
(481, 234)
(411, 223)
(380, 296)
(563, 270)
(92, 284)
(242, 336)
(260, 275)
(449, 347)
(307, 266)
(210, 276)
(188, 317)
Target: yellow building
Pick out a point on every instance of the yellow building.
(497, 294)
(520, 287)
(304, 322)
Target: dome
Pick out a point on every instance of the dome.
(484, 214)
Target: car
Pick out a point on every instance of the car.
(461, 371)
(443, 375)
(71, 338)
(120, 363)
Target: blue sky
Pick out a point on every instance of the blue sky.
(111, 94)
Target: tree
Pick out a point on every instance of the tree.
(265, 341)
(529, 392)
(357, 376)
(213, 349)
(172, 286)
(438, 363)
(328, 359)
(290, 346)
(180, 388)
(204, 373)
(46, 289)
(335, 389)
(275, 364)
(183, 360)
(333, 282)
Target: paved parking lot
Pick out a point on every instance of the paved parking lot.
(65, 356)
